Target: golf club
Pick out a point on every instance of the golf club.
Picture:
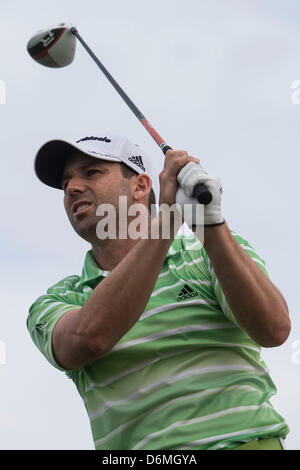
(55, 47)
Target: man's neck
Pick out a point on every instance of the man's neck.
(109, 256)
(110, 252)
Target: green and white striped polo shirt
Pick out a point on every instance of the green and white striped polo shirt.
(186, 376)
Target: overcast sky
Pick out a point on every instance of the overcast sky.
(214, 77)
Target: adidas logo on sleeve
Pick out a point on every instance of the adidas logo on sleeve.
(186, 293)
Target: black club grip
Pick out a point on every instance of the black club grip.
(201, 193)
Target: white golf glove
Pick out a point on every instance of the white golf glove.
(189, 176)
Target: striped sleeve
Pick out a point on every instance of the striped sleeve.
(43, 316)
(215, 283)
(251, 252)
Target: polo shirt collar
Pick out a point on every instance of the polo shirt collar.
(91, 271)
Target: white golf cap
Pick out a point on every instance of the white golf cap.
(51, 158)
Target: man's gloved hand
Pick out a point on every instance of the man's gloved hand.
(188, 177)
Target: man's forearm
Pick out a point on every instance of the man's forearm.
(255, 302)
(119, 300)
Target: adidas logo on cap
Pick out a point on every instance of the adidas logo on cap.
(186, 293)
(137, 161)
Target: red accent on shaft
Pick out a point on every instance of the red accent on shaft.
(158, 139)
(45, 52)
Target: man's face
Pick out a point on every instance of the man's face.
(87, 183)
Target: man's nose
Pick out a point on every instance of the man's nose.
(75, 185)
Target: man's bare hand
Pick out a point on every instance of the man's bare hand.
(175, 160)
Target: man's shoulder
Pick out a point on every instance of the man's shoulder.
(73, 289)
(68, 283)
(75, 282)
(189, 241)
(185, 242)
(58, 292)
(187, 245)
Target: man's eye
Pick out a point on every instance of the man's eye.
(92, 172)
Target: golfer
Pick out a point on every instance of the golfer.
(161, 335)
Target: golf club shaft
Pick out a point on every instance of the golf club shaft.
(201, 193)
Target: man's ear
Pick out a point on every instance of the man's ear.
(142, 187)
